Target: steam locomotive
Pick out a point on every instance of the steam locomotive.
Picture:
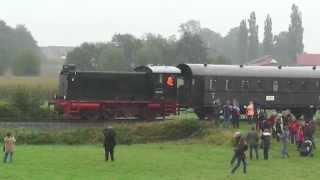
(158, 91)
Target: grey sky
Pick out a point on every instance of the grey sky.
(71, 22)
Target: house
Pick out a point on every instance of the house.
(308, 59)
(263, 61)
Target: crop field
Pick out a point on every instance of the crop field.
(42, 86)
(179, 160)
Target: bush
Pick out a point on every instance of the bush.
(8, 112)
(25, 105)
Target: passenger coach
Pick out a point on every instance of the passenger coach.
(207, 87)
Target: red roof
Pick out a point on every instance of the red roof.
(308, 59)
(263, 61)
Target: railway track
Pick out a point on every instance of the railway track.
(64, 124)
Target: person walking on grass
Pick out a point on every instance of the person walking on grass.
(284, 139)
(236, 140)
(265, 143)
(241, 156)
(253, 141)
(109, 143)
(9, 147)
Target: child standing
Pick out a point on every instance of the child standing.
(265, 143)
(9, 147)
(284, 138)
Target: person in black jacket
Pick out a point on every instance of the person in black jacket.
(236, 139)
(241, 156)
(265, 143)
(109, 142)
(253, 141)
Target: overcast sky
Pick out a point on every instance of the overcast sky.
(71, 22)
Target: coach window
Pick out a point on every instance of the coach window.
(317, 84)
(260, 84)
(304, 85)
(275, 86)
(227, 87)
(212, 84)
(244, 84)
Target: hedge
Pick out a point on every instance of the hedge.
(126, 133)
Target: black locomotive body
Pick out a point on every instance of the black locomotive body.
(107, 95)
(207, 87)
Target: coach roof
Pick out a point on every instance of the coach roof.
(249, 71)
(158, 69)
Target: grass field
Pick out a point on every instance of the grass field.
(180, 160)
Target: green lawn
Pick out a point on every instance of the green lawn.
(151, 161)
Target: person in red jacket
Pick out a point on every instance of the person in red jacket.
(300, 137)
(294, 127)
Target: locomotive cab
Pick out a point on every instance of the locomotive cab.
(164, 80)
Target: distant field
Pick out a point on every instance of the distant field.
(41, 86)
(152, 161)
(8, 81)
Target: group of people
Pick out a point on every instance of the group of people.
(284, 128)
(231, 114)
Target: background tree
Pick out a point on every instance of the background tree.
(12, 41)
(253, 51)
(84, 57)
(27, 63)
(190, 48)
(243, 42)
(213, 42)
(129, 44)
(111, 59)
(281, 45)
(295, 33)
(268, 37)
(230, 48)
(191, 27)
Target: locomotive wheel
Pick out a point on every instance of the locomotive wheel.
(200, 114)
(91, 115)
(147, 115)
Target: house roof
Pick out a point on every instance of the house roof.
(263, 61)
(308, 59)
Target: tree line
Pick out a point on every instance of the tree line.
(19, 52)
(195, 44)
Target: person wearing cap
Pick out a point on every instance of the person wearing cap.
(109, 142)
(241, 156)
(265, 143)
(236, 139)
